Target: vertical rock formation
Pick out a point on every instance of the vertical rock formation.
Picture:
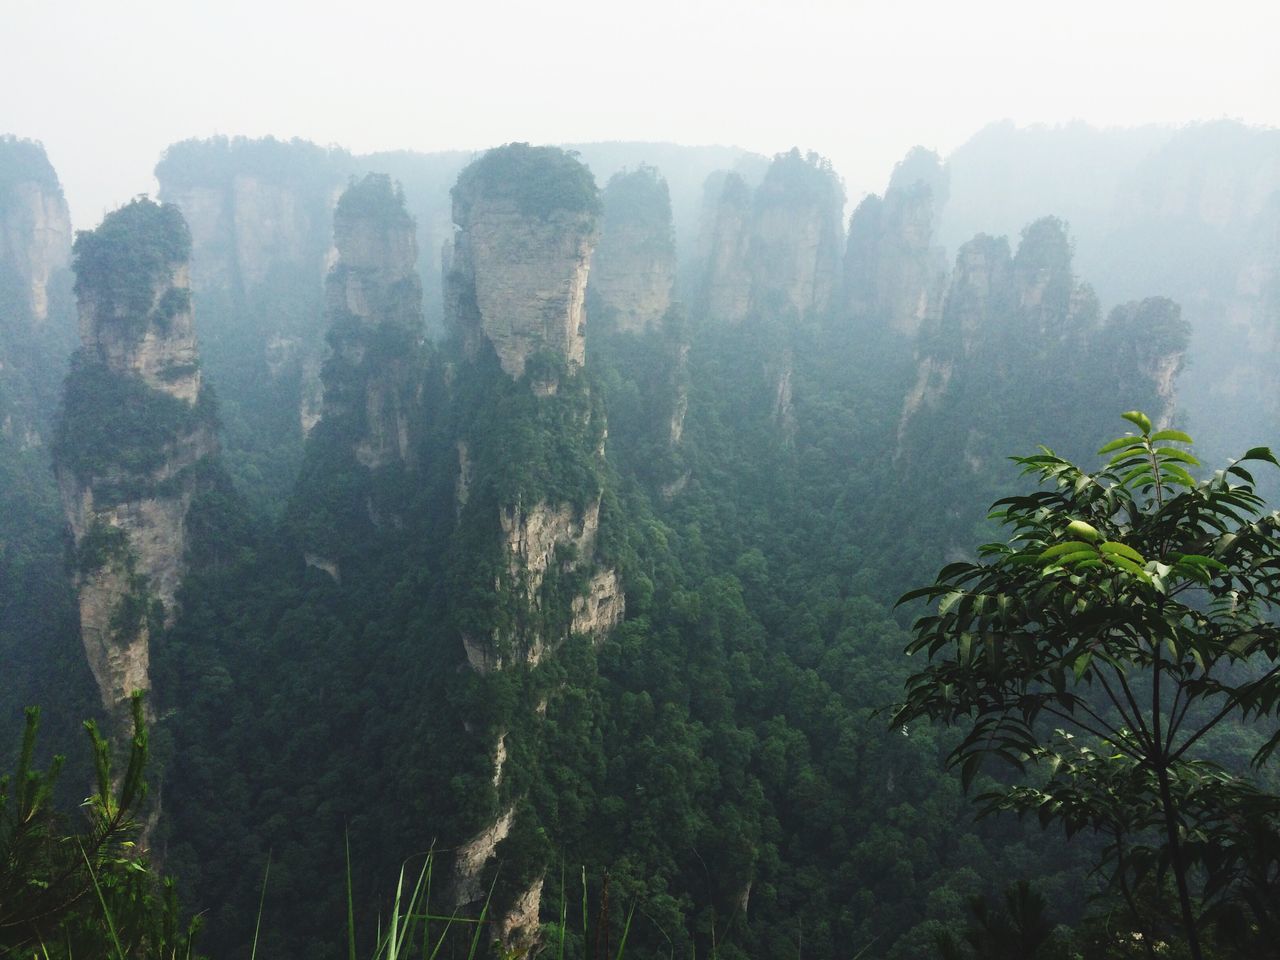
(797, 240)
(1178, 211)
(133, 436)
(634, 268)
(256, 208)
(35, 227)
(894, 271)
(260, 214)
(725, 240)
(37, 331)
(776, 252)
(518, 277)
(35, 251)
(1017, 338)
(526, 229)
(637, 329)
(1143, 349)
(374, 307)
(531, 450)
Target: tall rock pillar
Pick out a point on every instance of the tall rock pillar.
(135, 431)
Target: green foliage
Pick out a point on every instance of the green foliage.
(218, 160)
(541, 180)
(1020, 931)
(639, 200)
(87, 892)
(101, 544)
(1136, 605)
(23, 161)
(131, 254)
(720, 756)
(115, 430)
(375, 197)
(799, 178)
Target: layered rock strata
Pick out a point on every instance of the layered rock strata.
(35, 226)
(518, 270)
(260, 215)
(633, 271)
(895, 273)
(374, 308)
(776, 252)
(515, 291)
(35, 319)
(133, 437)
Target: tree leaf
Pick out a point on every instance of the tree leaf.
(1169, 453)
(1070, 546)
(1139, 420)
(1122, 549)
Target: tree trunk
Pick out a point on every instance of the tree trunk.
(1179, 868)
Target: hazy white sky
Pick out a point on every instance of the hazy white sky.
(107, 84)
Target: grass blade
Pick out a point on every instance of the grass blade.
(351, 910)
(626, 929)
(106, 912)
(257, 926)
(564, 912)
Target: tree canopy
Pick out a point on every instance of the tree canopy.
(1135, 607)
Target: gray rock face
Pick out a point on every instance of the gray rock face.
(776, 252)
(374, 307)
(894, 270)
(528, 223)
(634, 268)
(797, 240)
(127, 504)
(260, 215)
(526, 280)
(35, 316)
(159, 349)
(726, 233)
(137, 569)
(35, 238)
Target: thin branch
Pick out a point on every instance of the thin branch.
(1133, 723)
(1115, 738)
(1133, 702)
(1233, 701)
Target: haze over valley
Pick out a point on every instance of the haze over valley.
(488, 448)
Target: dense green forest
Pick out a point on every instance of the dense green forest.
(397, 626)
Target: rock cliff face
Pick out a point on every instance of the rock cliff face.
(724, 241)
(797, 240)
(159, 348)
(35, 227)
(260, 214)
(775, 252)
(1015, 329)
(254, 207)
(374, 308)
(133, 437)
(531, 447)
(894, 271)
(1174, 210)
(1146, 341)
(35, 319)
(518, 277)
(634, 268)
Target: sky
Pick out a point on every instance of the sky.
(106, 85)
